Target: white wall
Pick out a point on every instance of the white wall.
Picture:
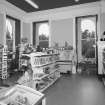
(60, 16)
(70, 13)
(11, 10)
(102, 22)
(65, 12)
(102, 17)
(54, 14)
(26, 31)
(62, 30)
(2, 29)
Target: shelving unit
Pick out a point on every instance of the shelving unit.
(3, 63)
(46, 75)
(46, 63)
(45, 69)
(47, 81)
(48, 85)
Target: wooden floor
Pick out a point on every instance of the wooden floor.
(76, 90)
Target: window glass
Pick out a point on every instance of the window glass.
(43, 34)
(88, 28)
(10, 37)
(88, 39)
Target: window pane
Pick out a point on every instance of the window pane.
(44, 44)
(43, 37)
(43, 33)
(86, 34)
(88, 48)
(88, 28)
(10, 45)
(10, 30)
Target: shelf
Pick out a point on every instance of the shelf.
(46, 75)
(42, 55)
(42, 90)
(46, 55)
(45, 64)
(67, 61)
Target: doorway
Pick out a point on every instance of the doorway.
(86, 44)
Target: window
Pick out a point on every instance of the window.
(10, 34)
(88, 39)
(41, 34)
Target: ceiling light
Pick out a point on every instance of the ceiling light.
(76, 0)
(32, 3)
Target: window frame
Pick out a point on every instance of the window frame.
(35, 42)
(13, 38)
(76, 39)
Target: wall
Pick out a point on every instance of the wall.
(62, 30)
(2, 25)
(26, 31)
(102, 17)
(65, 12)
(10, 10)
(57, 17)
(53, 15)
(79, 48)
(102, 23)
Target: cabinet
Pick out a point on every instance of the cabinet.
(45, 69)
(66, 60)
(65, 66)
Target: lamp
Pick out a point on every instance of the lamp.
(32, 3)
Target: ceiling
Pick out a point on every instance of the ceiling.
(46, 4)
